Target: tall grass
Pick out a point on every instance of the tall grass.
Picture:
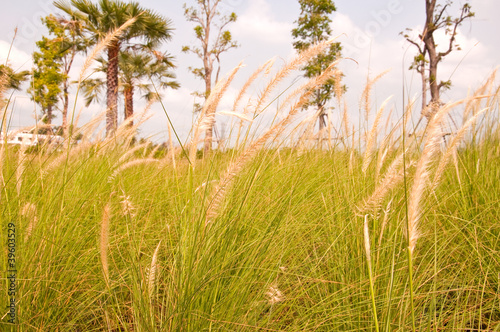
(268, 236)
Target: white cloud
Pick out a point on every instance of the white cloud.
(18, 59)
(258, 23)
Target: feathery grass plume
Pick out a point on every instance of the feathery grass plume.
(386, 147)
(472, 105)
(240, 116)
(75, 150)
(302, 57)
(207, 114)
(266, 66)
(452, 146)
(345, 125)
(153, 151)
(153, 271)
(21, 162)
(128, 208)
(124, 134)
(28, 211)
(104, 241)
(421, 179)
(78, 150)
(338, 88)
(129, 152)
(130, 164)
(297, 93)
(365, 96)
(372, 137)
(391, 179)
(274, 295)
(226, 180)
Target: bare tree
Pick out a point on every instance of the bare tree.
(428, 57)
(209, 20)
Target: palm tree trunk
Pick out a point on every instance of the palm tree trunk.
(112, 88)
(65, 108)
(129, 103)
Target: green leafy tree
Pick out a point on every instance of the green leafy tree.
(214, 39)
(99, 19)
(428, 57)
(68, 35)
(47, 77)
(52, 64)
(313, 26)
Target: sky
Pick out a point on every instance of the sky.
(368, 31)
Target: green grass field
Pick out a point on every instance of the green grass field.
(269, 236)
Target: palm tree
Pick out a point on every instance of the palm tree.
(137, 70)
(149, 29)
(137, 67)
(12, 80)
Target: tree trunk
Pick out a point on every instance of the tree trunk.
(424, 87)
(129, 103)
(430, 44)
(49, 115)
(208, 67)
(65, 108)
(322, 117)
(112, 88)
(207, 146)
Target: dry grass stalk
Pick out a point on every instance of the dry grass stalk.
(338, 88)
(391, 179)
(74, 153)
(266, 66)
(153, 271)
(29, 212)
(345, 122)
(235, 167)
(422, 173)
(302, 58)
(372, 137)
(130, 164)
(124, 134)
(171, 151)
(104, 241)
(128, 153)
(297, 93)
(20, 167)
(366, 238)
(206, 118)
(153, 151)
(387, 210)
(472, 105)
(365, 96)
(452, 146)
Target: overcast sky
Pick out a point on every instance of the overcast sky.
(368, 31)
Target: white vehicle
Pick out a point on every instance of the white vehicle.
(29, 138)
